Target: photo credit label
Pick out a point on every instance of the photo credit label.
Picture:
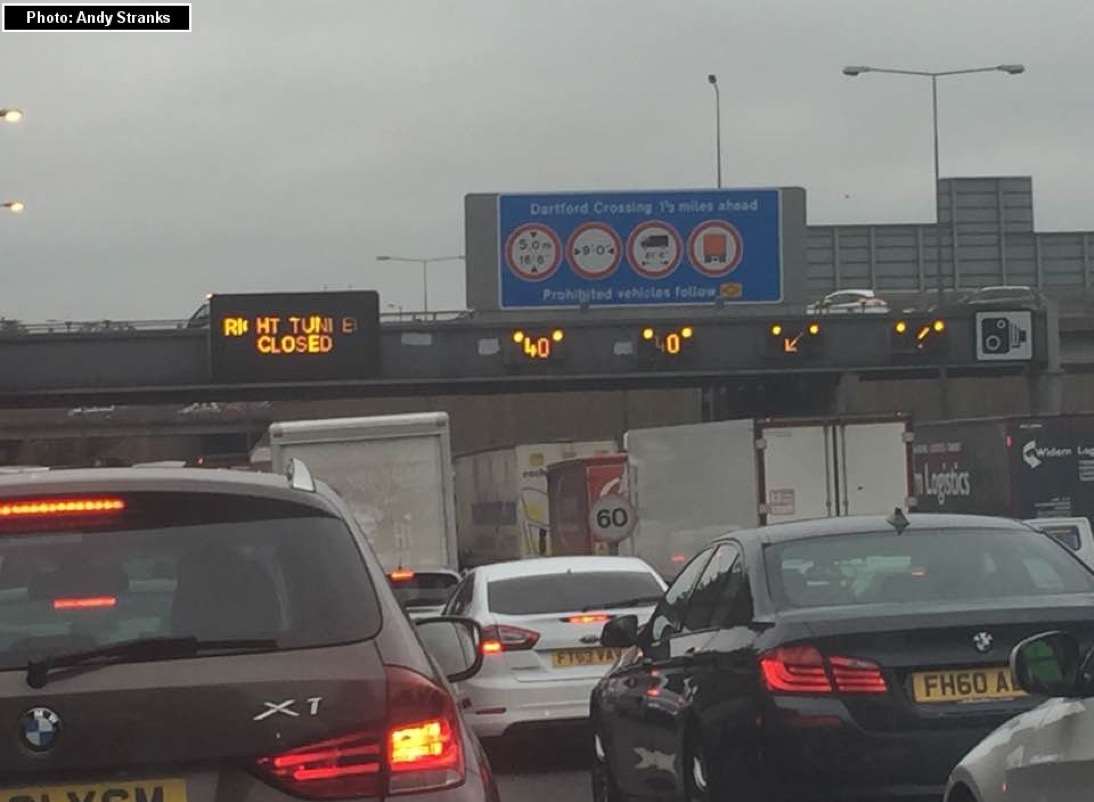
(96, 17)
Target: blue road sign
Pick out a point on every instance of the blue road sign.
(639, 248)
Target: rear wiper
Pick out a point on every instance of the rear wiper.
(635, 602)
(138, 650)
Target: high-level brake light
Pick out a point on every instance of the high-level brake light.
(401, 575)
(48, 507)
(588, 618)
(85, 603)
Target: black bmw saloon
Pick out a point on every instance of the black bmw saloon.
(847, 658)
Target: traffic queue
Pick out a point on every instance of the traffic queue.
(194, 635)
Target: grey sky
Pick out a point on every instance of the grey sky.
(284, 145)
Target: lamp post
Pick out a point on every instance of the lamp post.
(712, 79)
(1009, 69)
(15, 207)
(11, 115)
(425, 263)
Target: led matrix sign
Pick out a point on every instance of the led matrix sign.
(286, 337)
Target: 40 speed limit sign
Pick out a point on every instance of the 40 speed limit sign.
(612, 519)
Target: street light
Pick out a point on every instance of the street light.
(712, 79)
(1009, 69)
(11, 115)
(15, 207)
(425, 263)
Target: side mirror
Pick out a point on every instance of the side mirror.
(454, 643)
(620, 632)
(1047, 664)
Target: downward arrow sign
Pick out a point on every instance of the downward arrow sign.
(791, 346)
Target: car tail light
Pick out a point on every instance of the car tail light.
(795, 669)
(424, 751)
(803, 669)
(857, 676)
(419, 748)
(505, 638)
(332, 769)
(54, 507)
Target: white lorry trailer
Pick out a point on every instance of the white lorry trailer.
(394, 472)
(690, 483)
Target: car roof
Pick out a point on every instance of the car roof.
(540, 566)
(179, 480)
(864, 524)
(851, 290)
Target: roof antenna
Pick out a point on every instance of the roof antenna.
(898, 521)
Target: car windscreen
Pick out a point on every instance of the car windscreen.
(570, 592)
(424, 589)
(950, 565)
(210, 566)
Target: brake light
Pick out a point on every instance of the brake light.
(346, 766)
(427, 745)
(418, 749)
(505, 638)
(803, 669)
(46, 507)
(87, 603)
(857, 676)
(795, 669)
(596, 618)
(424, 750)
(401, 575)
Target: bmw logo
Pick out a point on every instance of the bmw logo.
(39, 727)
(982, 641)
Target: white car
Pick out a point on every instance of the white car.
(1046, 754)
(848, 302)
(541, 622)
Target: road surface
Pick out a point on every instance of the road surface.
(550, 768)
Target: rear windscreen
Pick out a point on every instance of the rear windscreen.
(571, 592)
(1068, 535)
(921, 566)
(216, 567)
(424, 590)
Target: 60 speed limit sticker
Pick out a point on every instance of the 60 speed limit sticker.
(533, 252)
(612, 519)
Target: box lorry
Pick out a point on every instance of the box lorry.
(1028, 468)
(395, 474)
(691, 483)
(501, 499)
